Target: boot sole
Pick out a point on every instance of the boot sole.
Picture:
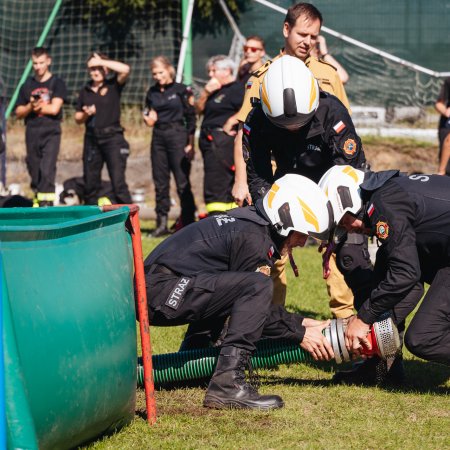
(219, 404)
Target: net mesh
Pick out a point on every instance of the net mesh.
(79, 29)
(408, 29)
(378, 81)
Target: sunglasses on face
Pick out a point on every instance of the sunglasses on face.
(251, 49)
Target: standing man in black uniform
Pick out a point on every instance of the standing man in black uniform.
(170, 110)
(442, 106)
(98, 108)
(219, 267)
(40, 103)
(219, 103)
(410, 217)
(306, 131)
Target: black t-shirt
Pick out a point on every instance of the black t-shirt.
(174, 104)
(444, 95)
(222, 104)
(106, 101)
(54, 87)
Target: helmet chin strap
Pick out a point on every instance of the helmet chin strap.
(292, 262)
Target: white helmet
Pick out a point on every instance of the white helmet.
(341, 184)
(296, 203)
(289, 93)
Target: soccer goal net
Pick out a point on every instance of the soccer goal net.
(72, 29)
(396, 54)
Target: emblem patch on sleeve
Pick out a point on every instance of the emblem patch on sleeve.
(350, 147)
(382, 230)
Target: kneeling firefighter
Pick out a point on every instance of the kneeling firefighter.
(410, 217)
(220, 267)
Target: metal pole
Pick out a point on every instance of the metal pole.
(142, 309)
(40, 41)
(185, 60)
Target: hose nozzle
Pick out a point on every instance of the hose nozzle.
(383, 337)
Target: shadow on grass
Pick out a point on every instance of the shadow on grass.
(186, 384)
(421, 378)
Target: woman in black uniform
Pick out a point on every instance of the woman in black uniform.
(170, 110)
(219, 102)
(99, 109)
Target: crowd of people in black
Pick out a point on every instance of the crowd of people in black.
(170, 109)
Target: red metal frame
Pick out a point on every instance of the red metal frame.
(142, 309)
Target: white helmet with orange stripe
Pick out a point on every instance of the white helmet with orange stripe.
(289, 93)
(296, 203)
(341, 184)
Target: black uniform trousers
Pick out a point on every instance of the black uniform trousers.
(43, 144)
(114, 150)
(167, 155)
(428, 334)
(244, 296)
(218, 160)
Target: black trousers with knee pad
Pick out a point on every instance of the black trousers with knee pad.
(428, 335)
(246, 297)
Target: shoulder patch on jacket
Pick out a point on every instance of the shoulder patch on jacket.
(262, 70)
(382, 230)
(312, 61)
(350, 147)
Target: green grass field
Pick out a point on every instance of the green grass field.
(317, 414)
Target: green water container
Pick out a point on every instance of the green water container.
(69, 325)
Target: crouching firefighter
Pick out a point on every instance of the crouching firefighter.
(410, 217)
(220, 267)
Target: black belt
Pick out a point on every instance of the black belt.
(168, 126)
(104, 131)
(158, 268)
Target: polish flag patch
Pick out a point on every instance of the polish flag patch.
(340, 126)
(271, 252)
(249, 84)
(370, 210)
(247, 129)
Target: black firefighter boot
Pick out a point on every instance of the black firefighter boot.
(228, 388)
(161, 227)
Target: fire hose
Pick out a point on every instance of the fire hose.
(200, 363)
